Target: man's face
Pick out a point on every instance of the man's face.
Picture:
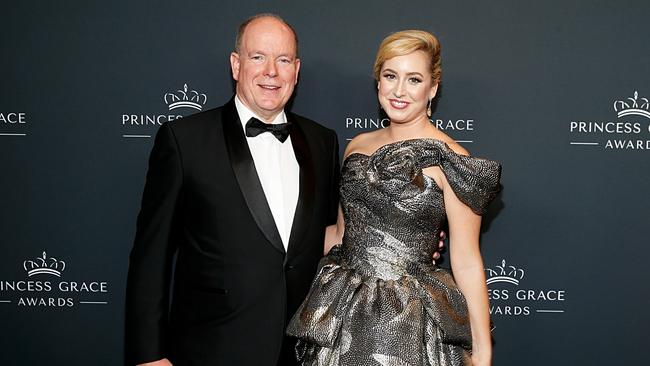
(266, 67)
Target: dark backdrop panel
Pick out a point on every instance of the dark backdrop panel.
(535, 86)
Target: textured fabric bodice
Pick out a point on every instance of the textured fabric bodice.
(393, 212)
(377, 299)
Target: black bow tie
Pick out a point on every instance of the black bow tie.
(255, 127)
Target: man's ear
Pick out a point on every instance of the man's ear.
(297, 70)
(234, 65)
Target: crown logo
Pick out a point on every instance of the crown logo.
(44, 265)
(503, 273)
(184, 98)
(636, 105)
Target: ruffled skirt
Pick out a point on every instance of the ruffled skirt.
(351, 319)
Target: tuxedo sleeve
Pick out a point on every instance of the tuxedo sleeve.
(150, 264)
(333, 203)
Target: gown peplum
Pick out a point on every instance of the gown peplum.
(377, 299)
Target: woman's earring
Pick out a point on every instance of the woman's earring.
(429, 108)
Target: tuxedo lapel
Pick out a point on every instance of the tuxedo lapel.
(305, 205)
(243, 166)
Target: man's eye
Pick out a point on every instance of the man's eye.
(257, 58)
(285, 61)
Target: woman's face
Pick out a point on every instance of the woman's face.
(405, 87)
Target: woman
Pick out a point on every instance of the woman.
(377, 299)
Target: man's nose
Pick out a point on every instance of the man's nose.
(270, 69)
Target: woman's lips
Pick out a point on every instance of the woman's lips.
(398, 104)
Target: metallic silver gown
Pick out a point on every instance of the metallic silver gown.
(377, 299)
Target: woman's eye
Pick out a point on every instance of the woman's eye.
(415, 80)
(389, 76)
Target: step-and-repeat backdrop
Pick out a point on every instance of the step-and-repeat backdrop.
(556, 90)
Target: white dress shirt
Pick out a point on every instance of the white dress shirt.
(277, 169)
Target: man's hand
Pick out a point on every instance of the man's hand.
(441, 245)
(163, 362)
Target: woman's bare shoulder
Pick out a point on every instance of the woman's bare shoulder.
(453, 145)
(362, 142)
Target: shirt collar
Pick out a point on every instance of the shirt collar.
(245, 114)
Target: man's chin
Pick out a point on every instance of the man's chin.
(271, 108)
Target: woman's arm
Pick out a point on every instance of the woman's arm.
(334, 233)
(468, 270)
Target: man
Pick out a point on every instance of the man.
(242, 200)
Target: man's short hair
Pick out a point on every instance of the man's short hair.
(243, 25)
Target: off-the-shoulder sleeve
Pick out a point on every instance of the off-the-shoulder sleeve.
(475, 181)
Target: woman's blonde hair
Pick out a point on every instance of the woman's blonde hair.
(407, 41)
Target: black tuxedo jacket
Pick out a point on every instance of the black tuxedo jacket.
(234, 286)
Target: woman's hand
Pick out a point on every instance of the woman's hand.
(163, 362)
(481, 360)
(441, 246)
